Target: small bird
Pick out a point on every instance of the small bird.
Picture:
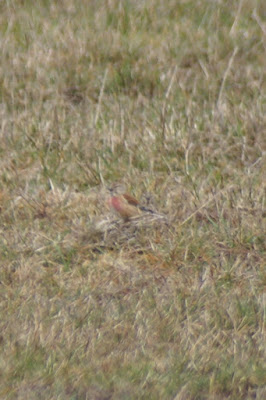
(126, 205)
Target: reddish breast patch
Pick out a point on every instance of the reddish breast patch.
(115, 202)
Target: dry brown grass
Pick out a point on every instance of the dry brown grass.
(168, 98)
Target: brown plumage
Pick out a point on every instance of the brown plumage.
(125, 205)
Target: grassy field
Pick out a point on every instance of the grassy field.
(166, 97)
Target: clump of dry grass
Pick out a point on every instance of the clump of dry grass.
(167, 98)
